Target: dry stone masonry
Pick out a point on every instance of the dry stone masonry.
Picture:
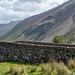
(35, 52)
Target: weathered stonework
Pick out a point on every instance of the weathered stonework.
(35, 52)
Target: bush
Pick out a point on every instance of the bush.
(16, 71)
(33, 69)
(62, 69)
(58, 39)
(12, 70)
(22, 71)
(53, 68)
(49, 68)
(71, 64)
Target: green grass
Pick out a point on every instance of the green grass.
(7, 67)
(50, 68)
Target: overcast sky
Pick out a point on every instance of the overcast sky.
(20, 9)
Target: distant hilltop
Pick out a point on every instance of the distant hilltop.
(43, 27)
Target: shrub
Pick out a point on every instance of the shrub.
(58, 39)
(53, 68)
(12, 70)
(71, 64)
(49, 68)
(33, 69)
(22, 71)
(62, 69)
(16, 73)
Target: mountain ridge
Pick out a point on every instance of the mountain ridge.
(44, 26)
(4, 28)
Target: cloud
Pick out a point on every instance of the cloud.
(21, 9)
(30, 0)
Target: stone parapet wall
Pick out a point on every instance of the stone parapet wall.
(35, 53)
(45, 43)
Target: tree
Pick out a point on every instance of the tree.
(58, 39)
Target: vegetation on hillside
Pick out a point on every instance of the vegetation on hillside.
(70, 37)
(58, 39)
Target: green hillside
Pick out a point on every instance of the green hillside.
(70, 37)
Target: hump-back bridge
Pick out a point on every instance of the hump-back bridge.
(35, 52)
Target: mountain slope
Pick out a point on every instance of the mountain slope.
(43, 27)
(1, 25)
(4, 28)
(70, 37)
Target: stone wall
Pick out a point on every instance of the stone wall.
(35, 52)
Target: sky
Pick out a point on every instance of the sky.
(11, 10)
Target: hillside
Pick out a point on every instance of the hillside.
(70, 37)
(1, 25)
(4, 28)
(44, 26)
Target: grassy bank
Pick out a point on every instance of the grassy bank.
(51, 68)
(18, 68)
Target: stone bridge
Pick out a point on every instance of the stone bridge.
(35, 52)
